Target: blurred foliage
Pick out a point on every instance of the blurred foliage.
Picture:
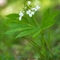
(21, 48)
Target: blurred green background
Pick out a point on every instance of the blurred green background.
(16, 49)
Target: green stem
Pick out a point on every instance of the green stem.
(36, 46)
(47, 45)
(36, 22)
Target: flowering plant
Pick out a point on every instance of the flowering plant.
(25, 24)
(30, 11)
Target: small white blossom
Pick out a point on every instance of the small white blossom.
(29, 2)
(33, 8)
(21, 15)
(37, 7)
(30, 13)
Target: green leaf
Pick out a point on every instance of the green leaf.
(16, 30)
(46, 14)
(26, 32)
(37, 33)
(13, 16)
(48, 19)
(48, 24)
(15, 23)
(21, 25)
(11, 19)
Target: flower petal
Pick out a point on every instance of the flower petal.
(30, 15)
(20, 18)
(21, 13)
(28, 12)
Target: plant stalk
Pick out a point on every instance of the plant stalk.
(47, 44)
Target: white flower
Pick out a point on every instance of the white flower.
(33, 8)
(36, 8)
(30, 13)
(29, 2)
(21, 15)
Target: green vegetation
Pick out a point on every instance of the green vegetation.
(32, 36)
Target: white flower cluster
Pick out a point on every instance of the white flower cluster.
(30, 12)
